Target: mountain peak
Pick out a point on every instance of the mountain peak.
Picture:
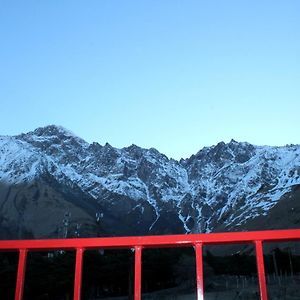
(51, 130)
(51, 133)
(233, 141)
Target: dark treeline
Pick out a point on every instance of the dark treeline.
(109, 273)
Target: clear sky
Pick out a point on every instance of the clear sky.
(174, 75)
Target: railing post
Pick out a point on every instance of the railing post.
(261, 270)
(21, 274)
(78, 273)
(137, 272)
(199, 270)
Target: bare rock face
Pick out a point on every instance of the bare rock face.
(54, 184)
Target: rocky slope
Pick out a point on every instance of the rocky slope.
(54, 184)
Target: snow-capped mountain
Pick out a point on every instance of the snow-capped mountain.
(54, 184)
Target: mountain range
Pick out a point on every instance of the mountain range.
(54, 184)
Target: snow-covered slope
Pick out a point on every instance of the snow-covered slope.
(239, 181)
(219, 188)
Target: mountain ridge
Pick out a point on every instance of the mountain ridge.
(221, 187)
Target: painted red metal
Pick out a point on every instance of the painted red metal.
(199, 271)
(138, 243)
(261, 270)
(184, 240)
(21, 274)
(78, 271)
(137, 272)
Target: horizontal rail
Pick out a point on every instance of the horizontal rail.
(138, 243)
(183, 240)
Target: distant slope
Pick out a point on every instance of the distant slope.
(54, 184)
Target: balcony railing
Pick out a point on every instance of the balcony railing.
(141, 242)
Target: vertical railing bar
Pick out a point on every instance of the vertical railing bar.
(137, 272)
(199, 270)
(78, 273)
(261, 270)
(21, 274)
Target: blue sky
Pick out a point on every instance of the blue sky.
(174, 75)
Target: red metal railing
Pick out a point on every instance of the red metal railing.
(139, 243)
